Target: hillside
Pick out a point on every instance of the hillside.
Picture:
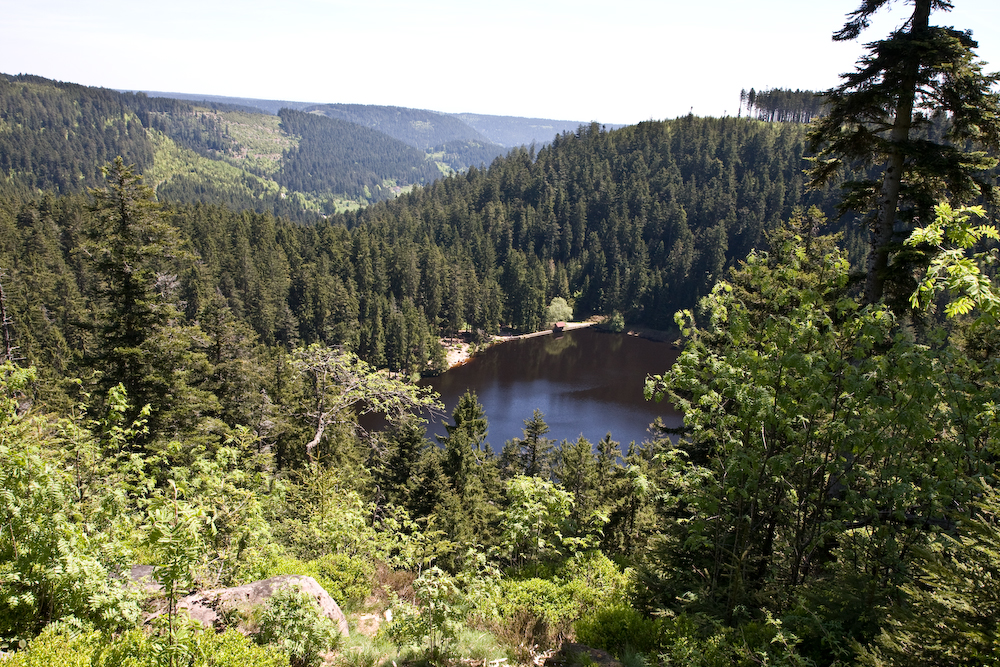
(416, 127)
(507, 131)
(187, 373)
(58, 135)
(641, 220)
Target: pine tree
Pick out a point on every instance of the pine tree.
(880, 117)
(465, 440)
(531, 455)
(144, 345)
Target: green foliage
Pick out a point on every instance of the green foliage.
(702, 642)
(291, 620)
(533, 521)
(949, 611)
(230, 487)
(596, 581)
(232, 649)
(618, 629)
(616, 323)
(319, 517)
(780, 464)
(51, 567)
(964, 277)
(434, 623)
(133, 648)
(531, 455)
(173, 533)
(542, 608)
(558, 311)
(347, 578)
(59, 645)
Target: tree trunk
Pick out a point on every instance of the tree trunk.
(878, 254)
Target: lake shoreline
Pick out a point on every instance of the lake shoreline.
(461, 349)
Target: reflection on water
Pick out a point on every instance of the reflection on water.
(586, 382)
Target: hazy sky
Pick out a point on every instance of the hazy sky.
(578, 60)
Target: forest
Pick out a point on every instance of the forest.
(294, 164)
(183, 378)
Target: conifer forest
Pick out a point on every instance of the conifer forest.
(201, 302)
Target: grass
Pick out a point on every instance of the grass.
(471, 645)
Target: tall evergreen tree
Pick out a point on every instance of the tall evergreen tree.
(880, 117)
(144, 346)
(532, 455)
(465, 442)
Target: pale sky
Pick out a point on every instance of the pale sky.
(578, 60)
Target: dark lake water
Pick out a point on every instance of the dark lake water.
(585, 382)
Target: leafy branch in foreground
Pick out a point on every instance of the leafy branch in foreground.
(173, 530)
(954, 269)
(823, 442)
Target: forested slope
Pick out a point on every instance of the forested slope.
(416, 127)
(57, 135)
(640, 220)
(515, 131)
(180, 386)
(334, 155)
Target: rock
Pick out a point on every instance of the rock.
(209, 607)
(570, 655)
(142, 576)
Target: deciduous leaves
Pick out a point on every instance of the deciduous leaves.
(811, 422)
(341, 381)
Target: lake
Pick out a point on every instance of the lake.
(586, 383)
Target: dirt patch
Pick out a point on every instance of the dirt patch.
(368, 624)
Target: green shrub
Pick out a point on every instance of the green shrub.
(618, 628)
(595, 581)
(291, 620)
(60, 645)
(536, 610)
(130, 649)
(232, 649)
(348, 579)
(540, 609)
(49, 568)
(435, 623)
(56, 646)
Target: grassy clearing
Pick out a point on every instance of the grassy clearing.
(173, 161)
(260, 141)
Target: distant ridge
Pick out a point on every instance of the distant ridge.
(505, 131)
(513, 131)
(419, 128)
